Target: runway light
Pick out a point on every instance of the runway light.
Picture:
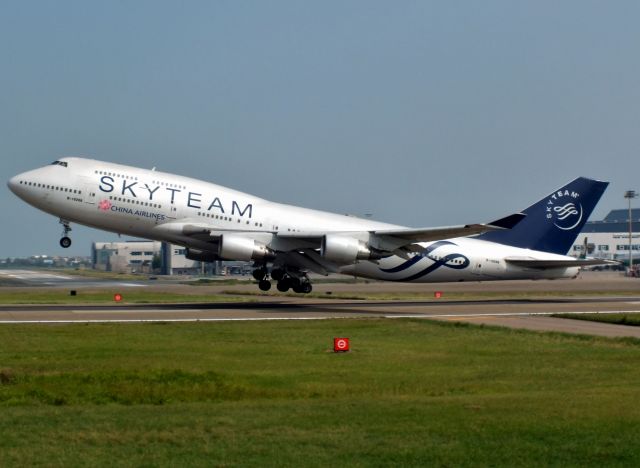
(437, 294)
(117, 297)
(340, 345)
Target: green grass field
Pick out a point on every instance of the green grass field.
(617, 319)
(412, 392)
(129, 296)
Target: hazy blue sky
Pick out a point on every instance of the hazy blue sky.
(422, 113)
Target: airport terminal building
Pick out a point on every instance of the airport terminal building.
(609, 238)
(150, 257)
(142, 257)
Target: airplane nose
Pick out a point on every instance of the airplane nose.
(13, 184)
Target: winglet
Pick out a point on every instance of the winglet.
(508, 222)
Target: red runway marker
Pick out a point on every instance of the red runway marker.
(340, 345)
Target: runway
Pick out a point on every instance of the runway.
(530, 313)
(40, 278)
(533, 314)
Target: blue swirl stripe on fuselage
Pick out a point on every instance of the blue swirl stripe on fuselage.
(444, 261)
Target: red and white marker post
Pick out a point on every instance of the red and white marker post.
(340, 345)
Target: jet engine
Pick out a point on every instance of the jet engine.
(201, 255)
(343, 250)
(233, 247)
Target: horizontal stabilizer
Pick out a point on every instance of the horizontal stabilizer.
(557, 263)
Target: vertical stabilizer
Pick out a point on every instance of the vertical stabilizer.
(553, 223)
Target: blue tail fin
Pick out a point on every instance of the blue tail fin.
(553, 223)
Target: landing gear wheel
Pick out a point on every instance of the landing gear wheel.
(65, 242)
(264, 285)
(303, 287)
(278, 274)
(283, 285)
(259, 273)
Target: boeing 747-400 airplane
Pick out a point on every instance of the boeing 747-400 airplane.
(286, 242)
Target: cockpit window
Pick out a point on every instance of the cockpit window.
(59, 163)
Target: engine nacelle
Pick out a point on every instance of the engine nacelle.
(343, 249)
(201, 256)
(233, 247)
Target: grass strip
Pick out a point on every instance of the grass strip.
(129, 296)
(411, 392)
(632, 319)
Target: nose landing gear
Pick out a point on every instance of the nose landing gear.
(65, 241)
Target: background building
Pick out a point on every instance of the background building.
(125, 257)
(142, 257)
(609, 238)
(159, 258)
(175, 262)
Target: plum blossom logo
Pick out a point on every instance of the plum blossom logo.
(104, 205)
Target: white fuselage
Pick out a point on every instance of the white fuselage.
(141, 203)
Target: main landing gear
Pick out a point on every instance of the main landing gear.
(260, 274)
(295, 280)
(65, 241)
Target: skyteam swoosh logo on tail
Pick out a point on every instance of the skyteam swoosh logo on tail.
(447, 261)
(564, 209)
(563, 212)
(567, 214)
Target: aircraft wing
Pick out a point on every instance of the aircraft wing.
(439, 233)
(194, 230)
(379, 243)
(204, 230)
(528, 262)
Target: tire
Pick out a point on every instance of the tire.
(264, 285)
(277, 274)
(65, 242)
